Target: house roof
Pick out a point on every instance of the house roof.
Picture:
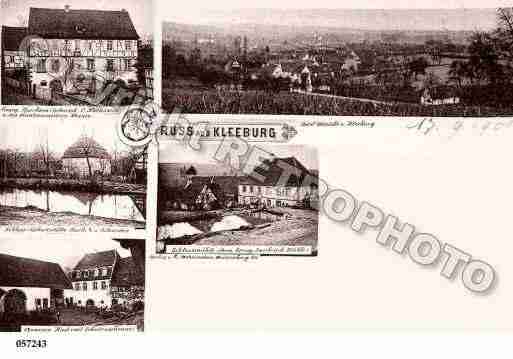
(272, 171)
(221, 186)
(292, 66)
(86, 147)
(193, 188)
(25, 272)
(99, 259)
(126, 274)
(81, 24)
(12, 37)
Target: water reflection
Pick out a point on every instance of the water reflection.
(84, 203)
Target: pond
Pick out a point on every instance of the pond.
(114, 206)
(215, 223)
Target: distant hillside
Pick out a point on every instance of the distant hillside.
(260, 34)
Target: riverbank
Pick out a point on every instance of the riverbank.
(70, 185)
(298, 227)
(34, 217)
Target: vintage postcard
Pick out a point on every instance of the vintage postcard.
(269, 208)
(295, 60)
(72, 53)
(72, 176)
(72, 285)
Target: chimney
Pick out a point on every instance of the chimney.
(66, 8)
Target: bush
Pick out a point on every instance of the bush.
(138, 306)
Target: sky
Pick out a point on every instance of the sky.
(14, 12)
(25, 135)
(232, 11)
(65, 252)
(172, 152)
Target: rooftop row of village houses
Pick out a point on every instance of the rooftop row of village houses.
(188, 189)
(75, 52)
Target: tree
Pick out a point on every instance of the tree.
(43, 151)
(504, 32)
(505, 21)
(87, 150)
(484, 59)
(459, 70)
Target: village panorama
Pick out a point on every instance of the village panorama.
(340, 62)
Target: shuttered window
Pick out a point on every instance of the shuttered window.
(110, 65)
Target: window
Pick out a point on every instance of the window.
(109, 271)
(77, 286)
(38, 302)
(96, 272)
(90, 64)
(45, 303)
(128, 45)
(109, 45)
(243, 188)
(41, 65)
(127, 64)
(86, 274)
(104, 272)
(110, 65)
(251, 189)
(84, 286)
(104, 285)
(95, 285)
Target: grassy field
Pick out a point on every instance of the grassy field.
(33, 217)
(285, 103)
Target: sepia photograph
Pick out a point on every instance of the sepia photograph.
(307, 61)
(57, 52)
(203, 202)
(70, 174)
(89, 282)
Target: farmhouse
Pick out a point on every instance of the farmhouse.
(104, 279)
(13, 53)
(29, 284)
(86, 158)
(439, 95)
(299, 188)
(76, 51)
